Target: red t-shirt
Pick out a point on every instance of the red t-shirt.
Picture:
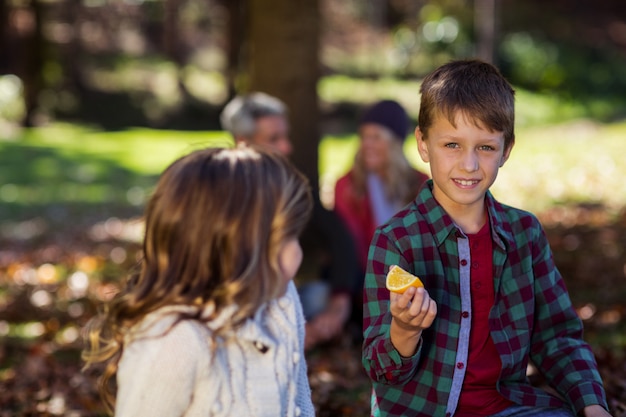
(479, 396)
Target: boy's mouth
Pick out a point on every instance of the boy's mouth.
(466, 183)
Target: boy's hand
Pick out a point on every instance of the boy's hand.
(412, 312)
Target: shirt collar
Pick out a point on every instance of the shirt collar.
(442, 225)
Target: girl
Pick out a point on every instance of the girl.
(212, 324)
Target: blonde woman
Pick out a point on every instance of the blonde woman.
(381, 180)
(212, 325)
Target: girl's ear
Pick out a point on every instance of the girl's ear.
(421, 145)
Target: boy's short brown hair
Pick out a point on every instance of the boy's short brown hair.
(476, 89)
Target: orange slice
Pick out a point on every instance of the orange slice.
(399, 280)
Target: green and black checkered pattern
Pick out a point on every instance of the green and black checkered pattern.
(532, 318)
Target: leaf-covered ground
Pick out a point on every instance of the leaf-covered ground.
(50, 287)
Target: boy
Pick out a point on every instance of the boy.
(493, 298)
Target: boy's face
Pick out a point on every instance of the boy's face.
(464, 162)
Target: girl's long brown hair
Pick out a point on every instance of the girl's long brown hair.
(214, 229)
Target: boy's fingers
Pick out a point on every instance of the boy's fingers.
(430, 315)
(402, 300)
(419, 303)
(423, 309)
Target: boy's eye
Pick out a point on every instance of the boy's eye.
(452, 145)
(486, 148)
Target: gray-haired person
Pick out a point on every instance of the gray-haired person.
(329, 281)
(260, 119)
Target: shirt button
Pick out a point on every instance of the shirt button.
(465, 314)
(477, 285)
(296, 357)
(460, 365)
(474, 265)
(298, 411)
(448, 414)
(463, 262)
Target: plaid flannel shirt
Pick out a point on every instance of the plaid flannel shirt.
(532, 318)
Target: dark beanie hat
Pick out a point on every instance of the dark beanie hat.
(389, 114)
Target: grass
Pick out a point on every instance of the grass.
(65, 176)
(49, 169)
(577, 162)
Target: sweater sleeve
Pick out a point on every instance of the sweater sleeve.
(303, 396)
(157, 373)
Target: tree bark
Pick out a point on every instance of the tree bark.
(235, 46)
(283, 42)
(31, 68)
(485, 28)
(4, 37)
(171, 30)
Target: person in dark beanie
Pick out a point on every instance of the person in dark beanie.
(381, 180)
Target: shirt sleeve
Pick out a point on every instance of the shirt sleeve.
(381, 360)
(157, 374)
(558, 348)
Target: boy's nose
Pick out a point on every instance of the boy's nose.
(470, 161)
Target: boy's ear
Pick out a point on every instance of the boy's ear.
(506, 153)
(421, 145)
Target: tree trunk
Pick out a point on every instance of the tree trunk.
(32, 62)
(171, 29)
(5, 62)
(235, 43)
(283, 61)
(485, 29)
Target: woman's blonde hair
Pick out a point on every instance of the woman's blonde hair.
(400, 178)
(215, 226)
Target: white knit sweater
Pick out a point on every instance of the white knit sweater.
(260, 371)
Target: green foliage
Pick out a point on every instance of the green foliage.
(591, 77)
(534, 63)
(11, 99)
(532, 108)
